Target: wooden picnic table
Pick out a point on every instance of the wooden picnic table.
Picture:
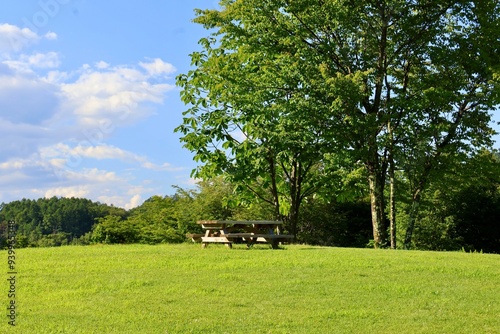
(249, 231)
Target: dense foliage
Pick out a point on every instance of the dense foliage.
(52, 221)
(285, 94)
(453, 216)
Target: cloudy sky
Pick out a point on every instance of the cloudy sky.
(88, 101)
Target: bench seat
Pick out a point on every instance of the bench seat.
(212, 226)
(258, 235)
(195, 237)
(220, 240)
(216, 239)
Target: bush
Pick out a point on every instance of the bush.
(54, 240)
(335, 224)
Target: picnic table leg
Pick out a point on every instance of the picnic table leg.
(205, 244)
(275, 244)
(251, 242)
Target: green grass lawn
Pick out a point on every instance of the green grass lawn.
(186, 289)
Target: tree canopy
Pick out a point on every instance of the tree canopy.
(280, 87)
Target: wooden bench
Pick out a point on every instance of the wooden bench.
(219, 240)
(208, 226)
(251, 231)
(252, 238)
(257, 235)
(195, 237)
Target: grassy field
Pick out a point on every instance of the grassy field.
(186, 289)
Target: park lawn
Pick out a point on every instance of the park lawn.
(299, 289)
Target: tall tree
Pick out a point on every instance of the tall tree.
(252, 123)
(453, 91)
(304, 78)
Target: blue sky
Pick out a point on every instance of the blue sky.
(88, 101)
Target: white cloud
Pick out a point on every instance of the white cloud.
(54, 124)
(56, 77)
(43, 60)
(64, 157)
(158, 67)
(103, 152)
(44, 175)
(51, 35)
(115, 93)
(93, 152)
(102, 65)
(127, 202)
(14, 39)
(76, 191)
(102, 186)
(193, 181)
(136, 200)
(27, 63)
(11, 165)
(163, 167)
(93, 175)
(36, 177)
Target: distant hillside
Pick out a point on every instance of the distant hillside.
(52, 221)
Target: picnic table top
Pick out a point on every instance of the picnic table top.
(239, 222)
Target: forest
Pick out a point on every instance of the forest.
(454, 216)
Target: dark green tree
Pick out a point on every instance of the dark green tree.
(55, 220)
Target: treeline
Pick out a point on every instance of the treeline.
(76, 221)
(453, 217)
(52, 221)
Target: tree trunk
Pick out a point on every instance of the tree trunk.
(295, 178)
(413, 217)
(392, 185)
(429, 164)
(274, 186)
(392, 208)
(294, 217)
(377, 208)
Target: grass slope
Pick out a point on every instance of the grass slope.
(186, 289)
